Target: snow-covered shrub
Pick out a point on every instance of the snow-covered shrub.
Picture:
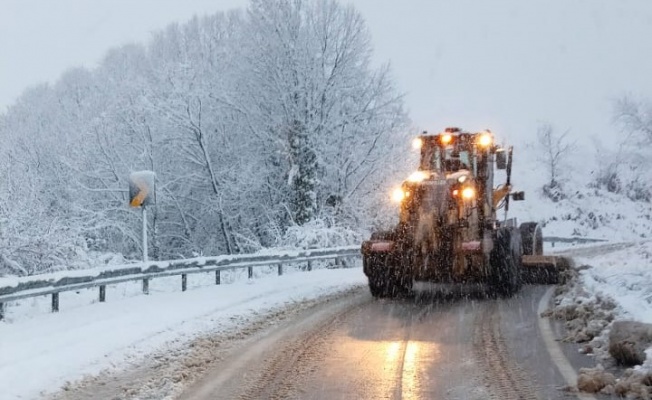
(554, 192)
(607, 179)
(637, 190)
(628, 177)
(317, 234)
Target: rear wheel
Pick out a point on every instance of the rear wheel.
(376, 287)
(532, 238)
(505, 261)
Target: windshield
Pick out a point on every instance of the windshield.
(447, 160)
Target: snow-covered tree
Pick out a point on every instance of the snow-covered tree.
(254, 123)
(327, 116)
(634, 161)
(555, 150)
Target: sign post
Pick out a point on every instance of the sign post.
(145, 258)
(141, 194)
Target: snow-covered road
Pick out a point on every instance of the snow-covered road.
(456, 346)
(42, 352)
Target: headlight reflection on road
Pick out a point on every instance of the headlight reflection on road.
(383, 369)
(415, 356)
(411, 377)
(393, 352)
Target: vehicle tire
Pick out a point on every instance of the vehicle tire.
(385, 281)
(376, 287)
(517, 261)
(376, 269)
(532, 238)
(373, 265)
(398, 285)
(388, 286)
(505, 262)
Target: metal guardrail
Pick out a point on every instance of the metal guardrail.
(53, 284)
(574, 240)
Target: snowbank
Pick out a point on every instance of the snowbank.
(613, 284)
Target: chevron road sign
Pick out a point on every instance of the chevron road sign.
(142, 189)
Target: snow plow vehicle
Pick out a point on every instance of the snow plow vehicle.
(449, 231)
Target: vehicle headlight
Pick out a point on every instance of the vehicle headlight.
(485, 140)
(417, 143)
(398, 195)
(468, 193)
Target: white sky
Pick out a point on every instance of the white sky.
(504, 64)
(40, 39)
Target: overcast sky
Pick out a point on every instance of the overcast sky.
(502, 64)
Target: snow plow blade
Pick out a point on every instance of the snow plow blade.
(545, 270)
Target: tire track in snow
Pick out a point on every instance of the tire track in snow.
(505, 378)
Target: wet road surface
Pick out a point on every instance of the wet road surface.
(432, 346)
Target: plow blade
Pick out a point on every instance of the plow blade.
(545, 270)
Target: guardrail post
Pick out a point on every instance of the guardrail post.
(55, 302)
(184, 282)
(2, 311)
(280, 269)
(250, 272)
(217, 277)
(309, 265)
(145, 286)
(102, 293)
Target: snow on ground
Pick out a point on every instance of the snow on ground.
(40, 352)
(620, 272)
(623, 274)
(588, 213)
(614, 283)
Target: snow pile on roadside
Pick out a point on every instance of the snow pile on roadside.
(613, 283)
(585, 316)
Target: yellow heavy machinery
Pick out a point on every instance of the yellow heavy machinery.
(449, 230)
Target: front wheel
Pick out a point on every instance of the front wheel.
(377, 288)
(384, 281)
(505, 262)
